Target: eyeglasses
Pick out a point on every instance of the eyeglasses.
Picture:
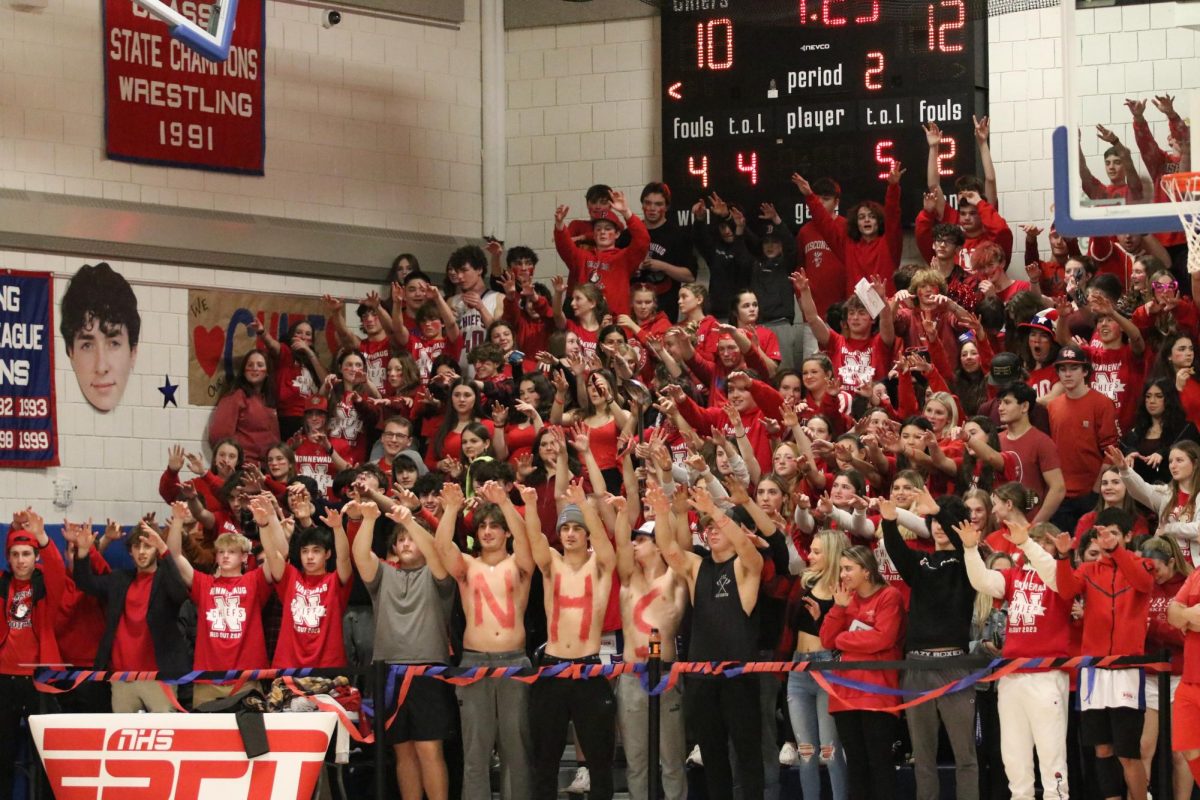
(393, 435)
(1165, 286)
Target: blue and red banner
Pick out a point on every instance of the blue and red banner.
(167, 104)
(28, 424)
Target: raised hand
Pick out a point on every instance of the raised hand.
(529, 495)
(574, 494)
(1032, 231)
(804, 186)
(492, 491)
(1018, 532)
(196, 463)
(1136, 107)
(618, 503)
(262, 511)
(698, 208)
(619, 203)
(966, 531)
(1113, 456)
(719, 206)
(499, 414)
(175, 457)
(370, 510)
(333, 305)
(581, 437)
(560, 215)
(767, 211)
(799, 280)
(982, 129)
(895, 173)
(399, 514)
(1106, 135)
(702, 501)
(1165, 103)
(887, 509)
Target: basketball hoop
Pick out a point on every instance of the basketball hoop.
(1184, 190)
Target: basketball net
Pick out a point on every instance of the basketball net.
(1184, 190)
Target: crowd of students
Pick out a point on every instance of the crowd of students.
(933, 460)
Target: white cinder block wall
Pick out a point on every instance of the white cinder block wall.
(374, 122)
(583, 108)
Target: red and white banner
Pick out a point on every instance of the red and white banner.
(179, 756)
(166, 104)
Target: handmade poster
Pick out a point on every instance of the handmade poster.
(219, 333)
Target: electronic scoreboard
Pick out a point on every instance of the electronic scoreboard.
(754, 90)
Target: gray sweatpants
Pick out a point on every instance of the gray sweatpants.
(633, 709)
(495, 714)
(957, 713)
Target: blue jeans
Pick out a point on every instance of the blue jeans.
(808, 706)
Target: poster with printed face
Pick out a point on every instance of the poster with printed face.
(222, 328)
(100, 326)
(28, 429)
(166, 104)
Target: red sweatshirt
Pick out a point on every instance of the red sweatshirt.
(1116, 600)
(1039, 619)
(208, 487)
(81, 620)
(880, 256)
(610, 270)
(249, 420)
(869, 629)
(995, 229)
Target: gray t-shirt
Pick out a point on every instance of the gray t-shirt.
(412, 615)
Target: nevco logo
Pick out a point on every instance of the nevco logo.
(105, 757)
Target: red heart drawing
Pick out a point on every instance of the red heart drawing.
(208, 344)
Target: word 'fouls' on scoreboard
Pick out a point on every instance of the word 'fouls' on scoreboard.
(755, 90)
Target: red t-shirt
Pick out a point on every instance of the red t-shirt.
(133, 649)
(229, 632)
(424, 351)
(314, 461)
(377, 353)
(1036, 455)
(1117, 374)
(1013, 288)
(294, 384)
(519, 441)
(588, 340)
(857, 362)
(21, 645)
(1081, 429)
(311, 632)
(1043, 379)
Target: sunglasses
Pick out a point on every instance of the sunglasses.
(1165, 286)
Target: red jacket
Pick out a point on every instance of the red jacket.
(1161, 633)
(81, 621)
(878, 637)
(1116, 600)
(208, 487)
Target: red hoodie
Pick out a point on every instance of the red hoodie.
(1116, 600)
(610, 270)
(768, 403)
(863, 259)
(995, 229)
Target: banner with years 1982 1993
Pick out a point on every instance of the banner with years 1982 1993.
(28, 430)
(166, 104)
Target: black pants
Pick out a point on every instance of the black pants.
(719, 710)
(18, 699)
(993, 780)
(867, 738)
(553, 703)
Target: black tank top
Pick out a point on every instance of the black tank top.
(721, 630)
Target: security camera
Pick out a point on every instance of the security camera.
(330, 18)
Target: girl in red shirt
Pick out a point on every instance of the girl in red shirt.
(298, 372)
(516, 431)
(445, 446)
(246, 411)
(351, 415)
(1113, 494)
(866, 623)
(588, 308)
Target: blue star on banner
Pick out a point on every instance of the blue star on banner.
(168, 391)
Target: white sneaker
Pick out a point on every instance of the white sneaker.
(693, 759)
(582, 783)
(788, 757)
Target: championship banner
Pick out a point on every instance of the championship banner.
(167, 104)
(28, 428)
(219, 333)
(180, 756)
